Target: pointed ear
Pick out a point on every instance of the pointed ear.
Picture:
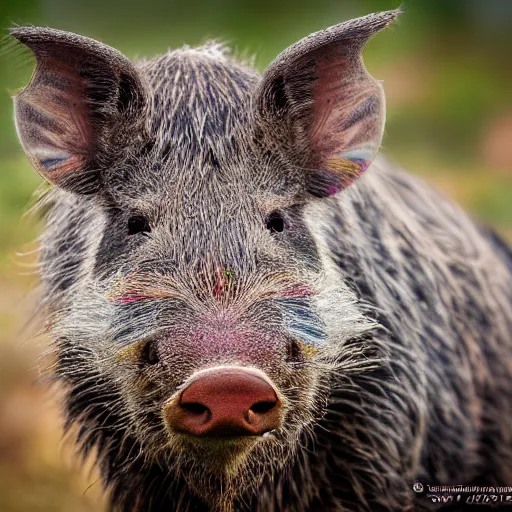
(320, 102)
(84, 100)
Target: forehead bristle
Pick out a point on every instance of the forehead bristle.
(201, 99)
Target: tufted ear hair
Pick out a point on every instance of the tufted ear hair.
(84, 101)
(320, 102)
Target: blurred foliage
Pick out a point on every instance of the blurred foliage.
(446, 68)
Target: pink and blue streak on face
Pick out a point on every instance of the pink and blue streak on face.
(291, 305)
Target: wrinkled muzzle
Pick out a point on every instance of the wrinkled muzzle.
(229, 364)
(229, 381)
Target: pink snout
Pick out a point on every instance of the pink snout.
(226, 402)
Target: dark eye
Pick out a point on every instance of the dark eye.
(138, 224)
(150, 353)
(294, 351)
(275, 222)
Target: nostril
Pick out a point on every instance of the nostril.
(194, 408)
(263, 407)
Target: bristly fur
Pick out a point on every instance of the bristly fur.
(380, 312)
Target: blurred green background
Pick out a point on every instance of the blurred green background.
(446, 67)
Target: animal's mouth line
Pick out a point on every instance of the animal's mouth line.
(229, 439)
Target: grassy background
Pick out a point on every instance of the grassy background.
(446, 69)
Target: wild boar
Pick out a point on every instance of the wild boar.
(240, 322)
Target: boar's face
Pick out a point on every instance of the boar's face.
(202, 319)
